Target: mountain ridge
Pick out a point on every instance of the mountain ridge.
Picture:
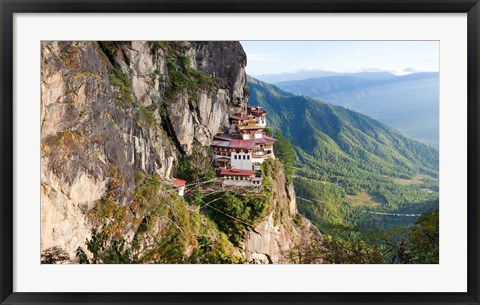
(342, 146)
(409, 103)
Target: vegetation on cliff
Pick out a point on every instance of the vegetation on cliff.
(207, 226)
(118, 118)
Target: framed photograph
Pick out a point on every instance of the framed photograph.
(191, 152)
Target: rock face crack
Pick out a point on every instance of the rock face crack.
(255, 231)
(168, 127)
(268, 258)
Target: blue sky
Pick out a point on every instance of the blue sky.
(399, 57)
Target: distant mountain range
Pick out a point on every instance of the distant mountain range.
(343, 153)
(306, 74)
(409, 103)
(331, 132)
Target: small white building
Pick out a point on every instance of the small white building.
(238, 177)
(179, 185)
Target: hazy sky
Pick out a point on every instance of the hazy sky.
(273, 57)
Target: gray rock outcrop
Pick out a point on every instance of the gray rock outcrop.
(87, 130)
(112, 109)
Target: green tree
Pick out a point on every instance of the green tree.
(425, 239)
(350, 248)
(284, 151)
(268, 131)
(105, 250)
(198, 165)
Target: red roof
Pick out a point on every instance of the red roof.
(218, 143)
(259, 111)
(236, 172)
(239, 117)
(224, 137)
(245, 144)
(265, 139)
(178, 183)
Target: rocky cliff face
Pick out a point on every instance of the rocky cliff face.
(112, 109)
(282, 228)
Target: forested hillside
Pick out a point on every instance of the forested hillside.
(350, 168)
(409, 103)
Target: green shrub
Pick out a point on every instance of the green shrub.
(124, 84)
(183, 77)
(235, 213)
(198, 165)
(106, 250)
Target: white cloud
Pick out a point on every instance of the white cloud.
(410, 70)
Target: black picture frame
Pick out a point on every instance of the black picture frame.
(10, 7)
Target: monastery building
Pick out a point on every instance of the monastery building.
(239, 153)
